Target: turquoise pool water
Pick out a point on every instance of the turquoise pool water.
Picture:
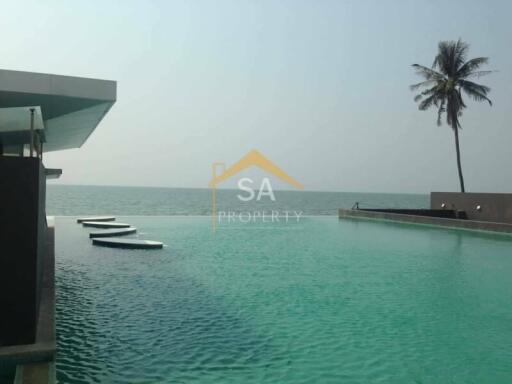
(318, 301)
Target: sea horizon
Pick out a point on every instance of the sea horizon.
(75, 200)
(51, 185)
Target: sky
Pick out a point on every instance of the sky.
(319, 87)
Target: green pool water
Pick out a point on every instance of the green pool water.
(318, 301)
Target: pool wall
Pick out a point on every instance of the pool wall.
(493, 207)
(426, 220)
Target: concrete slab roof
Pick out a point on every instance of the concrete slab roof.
(71, 107)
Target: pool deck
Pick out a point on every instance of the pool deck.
(426, 220)
(34, 363)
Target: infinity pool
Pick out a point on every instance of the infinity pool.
(315, 301)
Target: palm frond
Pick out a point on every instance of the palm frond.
(478, 74)
(472, 85)
(427, 73)
(429, 102)
(425, 83)
(451, 55)
(435, 90)
(440, 58)
(476, 91)
(460, 53)
(471, 66)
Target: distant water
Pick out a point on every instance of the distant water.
(98, 200)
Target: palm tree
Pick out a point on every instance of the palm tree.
(445, 81)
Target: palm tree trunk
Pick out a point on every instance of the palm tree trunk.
(459, 166)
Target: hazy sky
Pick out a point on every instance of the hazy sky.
(319, 87)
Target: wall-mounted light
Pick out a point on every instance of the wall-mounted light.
(479, 208)
(443, 205)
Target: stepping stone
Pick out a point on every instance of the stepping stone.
(101, 224)
(115, 242)
(113, 232)
(95, 218)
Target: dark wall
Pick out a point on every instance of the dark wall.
(495, 207)
(446, 213)
(22, 237)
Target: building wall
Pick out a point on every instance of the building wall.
(22, 234)
(495, 207)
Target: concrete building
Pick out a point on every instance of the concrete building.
(38, 113)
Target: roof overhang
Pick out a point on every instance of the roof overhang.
(71, 107)
(52, 173)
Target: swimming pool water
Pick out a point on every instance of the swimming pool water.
(318, 301)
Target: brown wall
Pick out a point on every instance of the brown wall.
(496, 207)
(426, 220)
(22, 234)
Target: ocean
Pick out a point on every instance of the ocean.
(73, 200)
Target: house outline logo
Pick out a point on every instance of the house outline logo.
(252, 158)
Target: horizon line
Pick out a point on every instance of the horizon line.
(230, 189)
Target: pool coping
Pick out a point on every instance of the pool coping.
(471, 225)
